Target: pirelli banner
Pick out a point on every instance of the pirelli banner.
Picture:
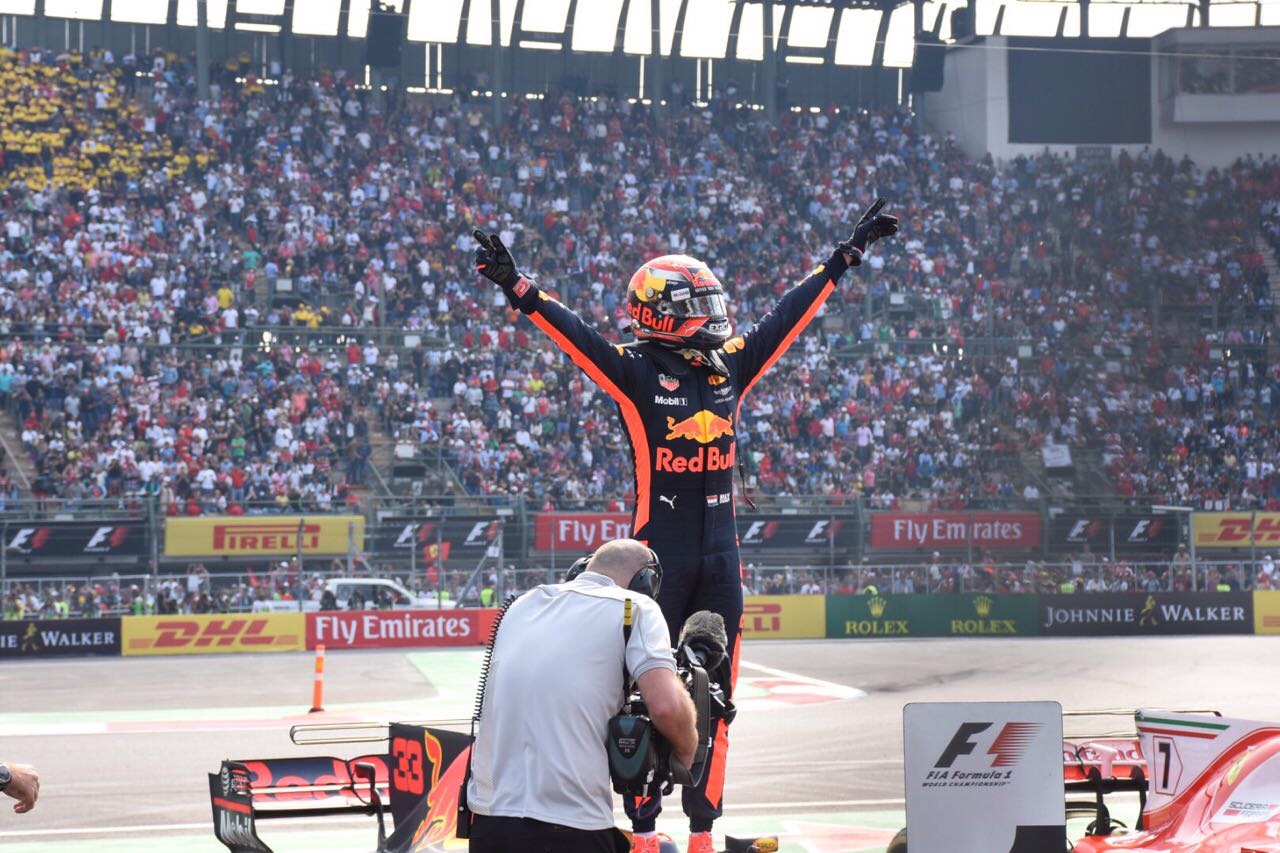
(943, 531)
(1235, 529)
(784, 617)
(961, 615)
(206, 634)
(262, 536)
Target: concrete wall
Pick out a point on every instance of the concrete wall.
(964, 105)
(974, 105)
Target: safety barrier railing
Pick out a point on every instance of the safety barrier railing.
(283, 588)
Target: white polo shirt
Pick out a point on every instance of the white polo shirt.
(555, 680)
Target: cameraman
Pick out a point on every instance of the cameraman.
(539, 771)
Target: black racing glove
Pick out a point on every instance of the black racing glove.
(493, 261)
(871, 227)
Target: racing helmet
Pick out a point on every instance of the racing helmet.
(678, 300)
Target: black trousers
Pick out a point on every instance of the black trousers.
(525, 835)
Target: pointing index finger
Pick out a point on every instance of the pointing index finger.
(482, 238)
(873, 210)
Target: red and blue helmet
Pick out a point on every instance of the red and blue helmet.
(678, 300)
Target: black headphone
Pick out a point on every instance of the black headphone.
(647, 581)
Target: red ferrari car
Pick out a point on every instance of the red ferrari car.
(1207, 784)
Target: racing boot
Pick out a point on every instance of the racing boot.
(660, 843)
(700, 842)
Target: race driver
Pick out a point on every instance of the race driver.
(679, 389)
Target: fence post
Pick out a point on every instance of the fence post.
(501, 592)
(1253, 541)
(860, 544)
(831, 542)
(351, 544)
(968, 537)
(1191, 534)
(440, 562)
(301, 523)
(153, 525)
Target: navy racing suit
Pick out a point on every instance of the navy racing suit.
(681, 411)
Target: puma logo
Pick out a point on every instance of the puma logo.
(669, 501)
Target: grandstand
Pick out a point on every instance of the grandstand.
(258, 302)
(250, 377)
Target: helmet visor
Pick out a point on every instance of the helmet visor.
(711, 305)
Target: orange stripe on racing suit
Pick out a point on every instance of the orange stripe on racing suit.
(714, 786)
(550, 317)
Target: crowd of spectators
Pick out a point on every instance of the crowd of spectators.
(144, 231)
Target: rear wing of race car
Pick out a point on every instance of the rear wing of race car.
(243, 792)
(1103, 763)
(418, 774)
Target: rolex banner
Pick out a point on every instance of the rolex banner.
(964, 615)
(1109, 613)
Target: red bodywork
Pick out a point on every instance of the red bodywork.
(1220, 812)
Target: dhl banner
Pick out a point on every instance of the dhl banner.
(262, 536)
(1266, 612)
(778, 617)
(208, 634)
(1236, 529)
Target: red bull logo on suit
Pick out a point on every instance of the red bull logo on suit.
(704, 428)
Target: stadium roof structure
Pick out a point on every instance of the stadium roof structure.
(822, 48)
(844, 32)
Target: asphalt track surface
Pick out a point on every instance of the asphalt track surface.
(123, 745)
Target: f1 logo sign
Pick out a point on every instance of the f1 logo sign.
(759, 532)
(822, 530)
(1006, 749)
(962, 743)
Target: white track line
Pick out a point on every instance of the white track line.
(852, 692)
